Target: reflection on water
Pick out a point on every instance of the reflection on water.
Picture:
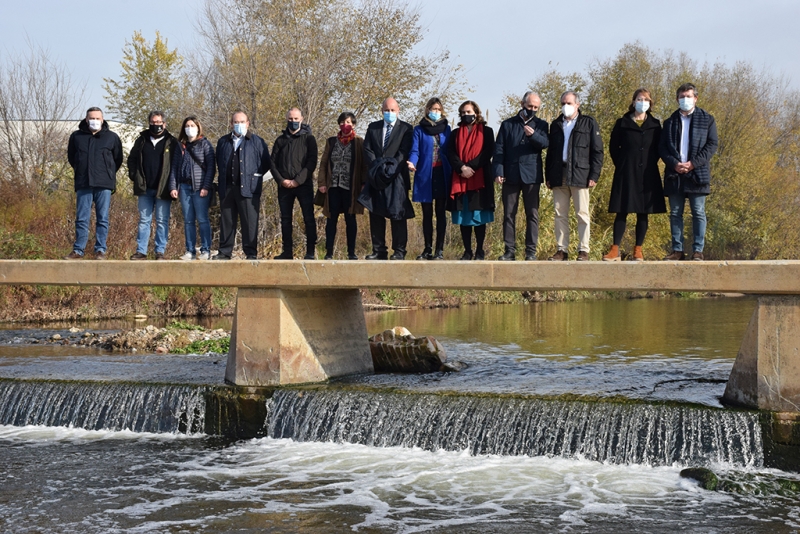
(706, 328)
(664, 350)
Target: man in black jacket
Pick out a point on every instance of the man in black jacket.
(387, 144)
(574, 161)
(294, 158)
(149, 164)
(95, 155)
(518, 168)
(242, 159)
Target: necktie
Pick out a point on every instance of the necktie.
(386, 137)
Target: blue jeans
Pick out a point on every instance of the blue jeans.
(195, 207)
(83, 212)
(697, 204)
(147, 203)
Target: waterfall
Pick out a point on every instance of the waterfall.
(619, 433)
(103, 405)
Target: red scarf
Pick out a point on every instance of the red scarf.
(468, 147)
(345, 139)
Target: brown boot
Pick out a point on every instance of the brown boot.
(637, 254)
(613, 254)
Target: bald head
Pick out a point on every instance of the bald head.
(294, 114)
(390, 104)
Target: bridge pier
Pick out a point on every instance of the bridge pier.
(284, 336)
(766, 374)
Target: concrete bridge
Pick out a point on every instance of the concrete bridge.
(303, 321)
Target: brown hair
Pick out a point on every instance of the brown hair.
(182, 137)
(478, 117)
(432, 102)
(636, 93)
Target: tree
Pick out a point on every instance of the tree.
(150, 80)
(37, 100)
(323, 56)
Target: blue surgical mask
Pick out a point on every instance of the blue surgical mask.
(434, 116)
(240, 128)
(686, 103)
(389, 116)
(642, 106)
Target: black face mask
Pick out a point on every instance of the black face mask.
(467, 119)
(529, 113)
(293, 126)
(156, 130)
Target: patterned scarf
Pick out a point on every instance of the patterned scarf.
(345, 139)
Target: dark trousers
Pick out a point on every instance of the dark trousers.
(233, 208)
(427, 222)
(377, 229)
(305, 197)
(530, 199)
(339, 203)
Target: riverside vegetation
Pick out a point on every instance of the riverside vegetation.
(758, 117)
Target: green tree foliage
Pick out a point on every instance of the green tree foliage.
(755, 189)
(150, 80)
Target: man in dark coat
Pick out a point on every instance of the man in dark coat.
(149, 165)
(518, 167)
(385, 194)
(294, 158)
(242, 160)
(688, 142)
(95, 155)
(574, 162)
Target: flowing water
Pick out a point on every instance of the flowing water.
(570, 417)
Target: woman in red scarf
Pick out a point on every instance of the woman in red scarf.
(341, 174)
(471, 188)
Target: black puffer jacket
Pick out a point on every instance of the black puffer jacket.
(95, 158)
(294, 157)
(136, 169)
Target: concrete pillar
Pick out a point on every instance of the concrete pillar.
(295, 337)
(766, 374)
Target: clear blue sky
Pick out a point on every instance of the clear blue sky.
(509, 44)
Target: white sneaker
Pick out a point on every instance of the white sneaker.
(188, 256)
(204, 256)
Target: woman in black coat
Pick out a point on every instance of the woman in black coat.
(471, 202)
(637, 182)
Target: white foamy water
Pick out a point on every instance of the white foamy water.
(71, 480)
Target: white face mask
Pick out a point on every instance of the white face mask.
(191, 131)
(686, 103)
(642, 106)
(568, 110)
(95, 124)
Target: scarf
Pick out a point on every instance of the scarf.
(433, 128)
(469, 145)
(345, 139)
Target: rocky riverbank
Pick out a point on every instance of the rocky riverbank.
(176, 338)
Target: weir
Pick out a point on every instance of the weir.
(302, 321)
(612, 432)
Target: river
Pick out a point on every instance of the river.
(570, 417)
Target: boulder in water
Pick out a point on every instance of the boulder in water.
(397, 351)
(707, 479)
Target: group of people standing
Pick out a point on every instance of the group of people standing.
(454, 171)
